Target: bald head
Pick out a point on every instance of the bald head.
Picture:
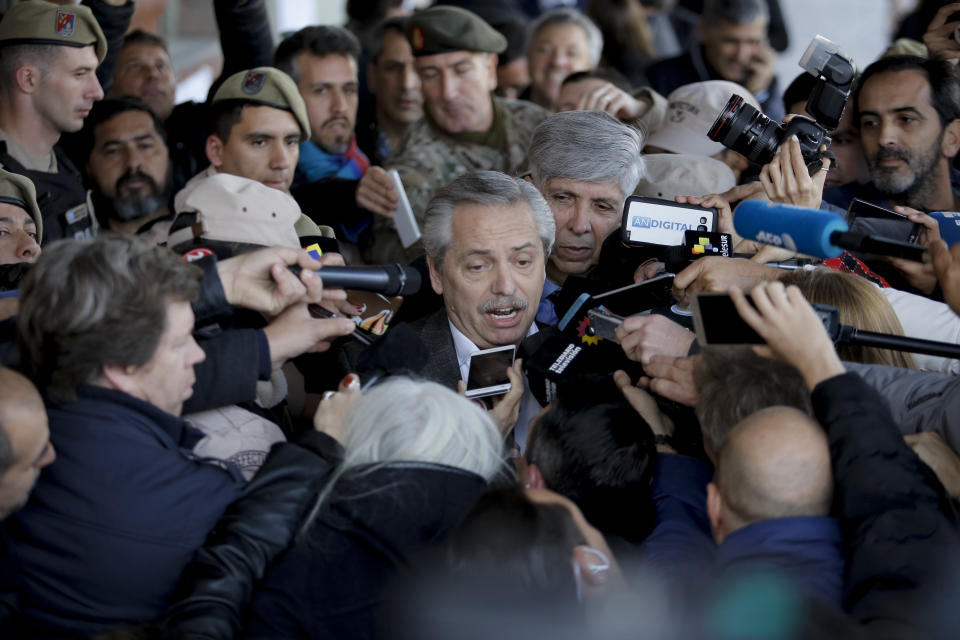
(774, 464)
(24, 439)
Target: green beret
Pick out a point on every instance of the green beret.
(269, 87)
(38, 22)
(18, 190)
(442, 29)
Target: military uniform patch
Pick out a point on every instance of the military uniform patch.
(66, 22)
(253, 82)
(418, 41)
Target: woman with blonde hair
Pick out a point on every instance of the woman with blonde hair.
(861, 305)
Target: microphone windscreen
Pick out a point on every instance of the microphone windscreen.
(798, 229)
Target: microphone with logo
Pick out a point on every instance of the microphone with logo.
(813, 232)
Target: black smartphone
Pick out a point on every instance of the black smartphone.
(639, 297)
(865, 217)
(716, 321)
(488, 371)
(656, 222)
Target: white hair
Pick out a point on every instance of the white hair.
(569, 15)
(419, 421)
(404, 420)
(587, 146)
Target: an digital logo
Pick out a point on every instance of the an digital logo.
(643, 222)
(66, 21)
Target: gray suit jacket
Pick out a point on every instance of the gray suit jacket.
(434, 330)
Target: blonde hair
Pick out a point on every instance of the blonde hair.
(861, 305)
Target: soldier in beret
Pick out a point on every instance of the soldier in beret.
(465, 127)
(259, 120)
(21, 225)
(48, 60)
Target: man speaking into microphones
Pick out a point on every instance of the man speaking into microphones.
(487, 237)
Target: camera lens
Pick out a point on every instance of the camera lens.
(703, 221)
(701, 227)
(747, 131)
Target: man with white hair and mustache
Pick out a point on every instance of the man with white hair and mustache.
(487, 237)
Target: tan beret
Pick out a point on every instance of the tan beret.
(443, 29)
(269, 87)
(38, 22)
(18, 190)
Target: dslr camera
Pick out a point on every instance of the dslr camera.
(747, 131)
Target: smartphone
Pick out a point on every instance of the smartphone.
(403, 218)
(603, 324)
(488, 371)
(865, 217)
(716, 321)
(639, 297)
(651, 221)
(698, 244)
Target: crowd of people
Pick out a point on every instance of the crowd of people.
(205, 433)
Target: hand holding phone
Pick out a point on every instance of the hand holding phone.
(793, 330)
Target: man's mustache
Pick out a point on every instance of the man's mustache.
(891, 152)
(129, 176)
(503, 302)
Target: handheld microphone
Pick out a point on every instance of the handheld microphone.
(388, 279)
(813, 232)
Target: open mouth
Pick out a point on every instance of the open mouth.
(504, 313)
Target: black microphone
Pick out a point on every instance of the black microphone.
(388, 279)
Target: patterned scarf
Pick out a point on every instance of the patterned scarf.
(316, 164)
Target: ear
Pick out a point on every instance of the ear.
(535, 478)
(27, 78)
(715, 511)
(214, 150)
(492, 59)
(435, 281)
(951, 140)
(120, 378)
(593, 576)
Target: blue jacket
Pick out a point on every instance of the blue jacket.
(808, 551)
(114, 520)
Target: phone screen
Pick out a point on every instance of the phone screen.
(488, 371)
(651, 221)
(717, 321)
(865, 217)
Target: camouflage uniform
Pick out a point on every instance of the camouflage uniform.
(428, 158)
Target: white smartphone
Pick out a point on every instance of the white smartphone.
(488, 371)
(403, 218)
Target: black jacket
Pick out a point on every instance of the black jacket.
(899, 523)
(217, 584)
(331, 583)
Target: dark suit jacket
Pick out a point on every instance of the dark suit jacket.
(441, 360)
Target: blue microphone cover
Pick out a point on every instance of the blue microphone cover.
(798, 229)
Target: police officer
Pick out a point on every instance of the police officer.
(48, 60)
(465, 128)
